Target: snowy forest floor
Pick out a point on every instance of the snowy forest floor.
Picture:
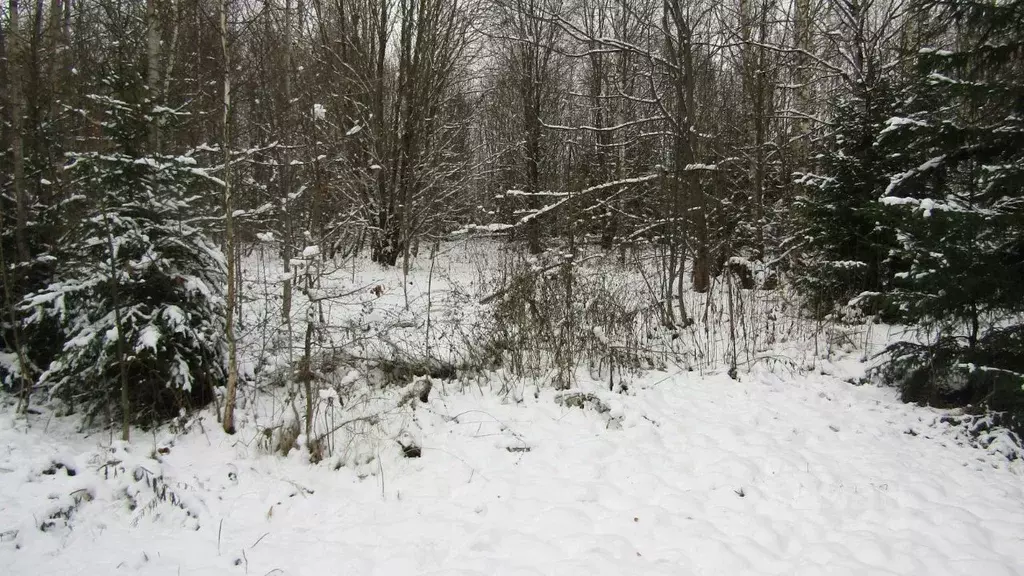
(781, 471)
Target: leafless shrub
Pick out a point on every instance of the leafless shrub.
(553, 316)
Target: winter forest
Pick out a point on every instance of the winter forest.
(531, 287)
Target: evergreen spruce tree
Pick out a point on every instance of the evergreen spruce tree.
(841, 230)
(958, 199)
(139, 287)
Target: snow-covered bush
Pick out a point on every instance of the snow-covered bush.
(948, 373)
(139, 292)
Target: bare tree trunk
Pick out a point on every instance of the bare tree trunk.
(594, 23)
(755, 80)
(803, 37)
(382, 241)
(529, 57)
(286, 171)
(171, 51)
(152, 71)
(59, 89)
(23, 365)
(17, 107)
(533, 133)
(678, 29)
(702, 262)
(676, 240)
(229, 232)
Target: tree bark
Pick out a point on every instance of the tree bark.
(229, 232)
(152, 71)
(286, 172)
(17, 107)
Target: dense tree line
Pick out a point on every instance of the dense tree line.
(867, 152)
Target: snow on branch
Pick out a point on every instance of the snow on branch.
(898, 179)
(606, 128)
(585, 191)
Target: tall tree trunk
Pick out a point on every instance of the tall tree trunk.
(532, 101)
(602, 139)
(152, 71)
(10, 310)
(229, 231)
(677, 24)
(58, 71)
(286, 172)
(755, 75)
(697, 197)
(803, 39)
(17, 110)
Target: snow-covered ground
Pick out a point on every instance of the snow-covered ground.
(804, 475)
(687, 472)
